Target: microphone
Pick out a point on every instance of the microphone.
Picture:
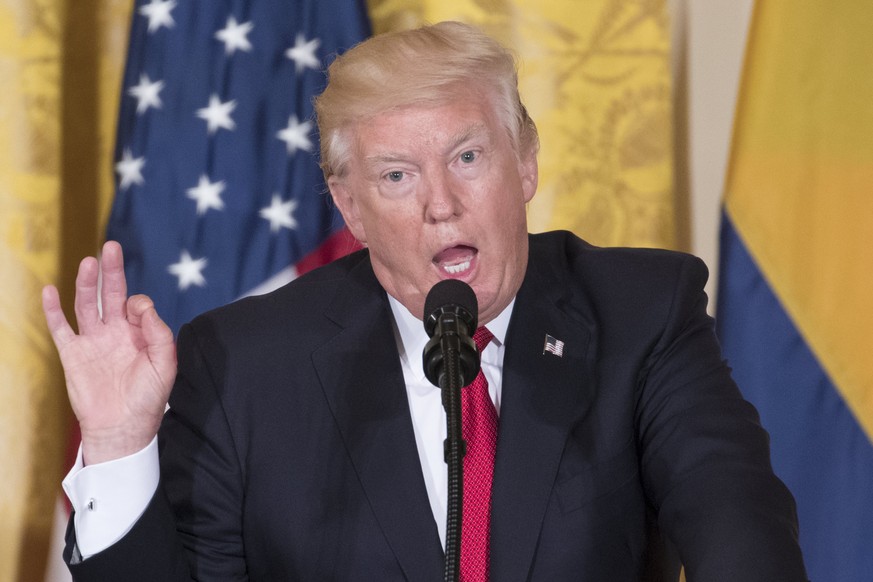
(451, 361)
(450, 313)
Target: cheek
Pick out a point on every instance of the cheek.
(373, 220)
(510, 216)
(396, 222)
(394, 236)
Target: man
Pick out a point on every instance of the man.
(302, 441)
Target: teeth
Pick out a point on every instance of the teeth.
(459, 268)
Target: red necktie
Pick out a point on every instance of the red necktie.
(479, 429)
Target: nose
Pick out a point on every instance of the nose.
(442, 198)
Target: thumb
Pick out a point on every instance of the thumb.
(160, 346)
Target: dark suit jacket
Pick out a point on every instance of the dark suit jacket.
(288, 451)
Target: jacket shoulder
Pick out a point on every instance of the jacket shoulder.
(562, 253)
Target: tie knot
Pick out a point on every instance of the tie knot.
(482, 337)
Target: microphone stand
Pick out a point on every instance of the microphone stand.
(451, 361)
(454, 449)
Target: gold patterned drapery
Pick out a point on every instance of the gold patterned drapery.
(595, 76)
(60, 62)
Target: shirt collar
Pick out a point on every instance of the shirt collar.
(411, 337)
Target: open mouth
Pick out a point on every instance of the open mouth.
(455, 260)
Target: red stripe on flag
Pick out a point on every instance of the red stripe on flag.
(336, 246)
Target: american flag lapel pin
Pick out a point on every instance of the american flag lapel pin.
(553, 346)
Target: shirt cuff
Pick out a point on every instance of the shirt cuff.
(108, 498)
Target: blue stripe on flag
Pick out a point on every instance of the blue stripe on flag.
(818, 448)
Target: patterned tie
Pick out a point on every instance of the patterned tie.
(479, 429)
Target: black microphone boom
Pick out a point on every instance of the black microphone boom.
(450, 312)
(451, 361)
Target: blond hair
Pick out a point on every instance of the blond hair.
(413, 67)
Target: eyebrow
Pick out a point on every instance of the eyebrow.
(468, 134)
(462, 136)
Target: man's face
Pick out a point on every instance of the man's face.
(438, 192)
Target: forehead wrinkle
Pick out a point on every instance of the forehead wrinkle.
(468, 133)
(474, 129)
(389, 158)
(371, 162)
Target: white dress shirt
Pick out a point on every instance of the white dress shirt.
(109, 497)
(425, 399)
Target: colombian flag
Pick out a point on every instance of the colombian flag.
(796, 284)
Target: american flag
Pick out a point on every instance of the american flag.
(219, 193)
(553, 346)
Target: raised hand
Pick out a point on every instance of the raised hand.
(120, 367)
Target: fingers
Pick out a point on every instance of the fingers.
(58, 326)
(136, 306)
(114, 284)
(141, 312)
(158, 337)
(85, 303)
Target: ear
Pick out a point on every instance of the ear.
(528, 171)
(345, 202)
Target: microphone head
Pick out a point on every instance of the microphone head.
(450, 314)
(450, 295)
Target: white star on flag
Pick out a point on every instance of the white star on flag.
(207, 194)
(296, 135)
(189, 271)
(129, 169)
(234, 36)
(147, 94)
(158, 13)
(210, 154)
(280, 214)
(217, 114)
(303, 53)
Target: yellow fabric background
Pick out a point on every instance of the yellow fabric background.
(595, 76)
(59, 68)
(800, 187)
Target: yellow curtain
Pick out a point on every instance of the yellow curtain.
(60, 64)
(595, 76)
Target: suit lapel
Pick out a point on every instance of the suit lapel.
(541, 396)
(364, 387)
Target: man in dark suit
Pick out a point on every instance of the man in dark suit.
(302, 442)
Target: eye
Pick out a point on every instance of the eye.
(468, 157)
(395, 176)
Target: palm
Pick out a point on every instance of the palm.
(120, 367)
(113, 377)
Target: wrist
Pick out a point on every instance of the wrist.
(100, 446)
